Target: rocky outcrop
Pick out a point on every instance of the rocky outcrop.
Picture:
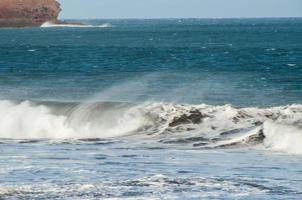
(23, 13)
(194, 117)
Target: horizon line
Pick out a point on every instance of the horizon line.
(177, 18)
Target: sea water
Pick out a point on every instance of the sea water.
(152, 109)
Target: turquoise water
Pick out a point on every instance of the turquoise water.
(152, 109)
(242, 62)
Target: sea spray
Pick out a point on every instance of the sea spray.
(202, 126)
(285, 138)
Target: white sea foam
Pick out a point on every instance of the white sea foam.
(291, 65)
(142, 186)
(53, 25)
(220, 125)
(26, 121)
(283, 137)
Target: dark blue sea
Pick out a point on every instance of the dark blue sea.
(152, 109)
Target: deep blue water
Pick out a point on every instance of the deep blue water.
(152, 109)
(242, 62)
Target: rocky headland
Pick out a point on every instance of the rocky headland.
(28, 13)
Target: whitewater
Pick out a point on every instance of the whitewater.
(152, 109)
(200, 126)
(73, 25)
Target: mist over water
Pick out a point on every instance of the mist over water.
(152, 109)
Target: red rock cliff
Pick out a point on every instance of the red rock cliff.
(20, 13)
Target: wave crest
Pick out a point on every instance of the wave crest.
(71, 25)
(200, 126)
(283, 137)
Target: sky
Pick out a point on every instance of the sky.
(108, 9)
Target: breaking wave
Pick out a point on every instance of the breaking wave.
(53, 25)
(199, 126)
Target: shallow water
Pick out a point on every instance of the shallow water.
(152, 109)
(143, 170)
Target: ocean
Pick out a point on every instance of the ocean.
(152, 109)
